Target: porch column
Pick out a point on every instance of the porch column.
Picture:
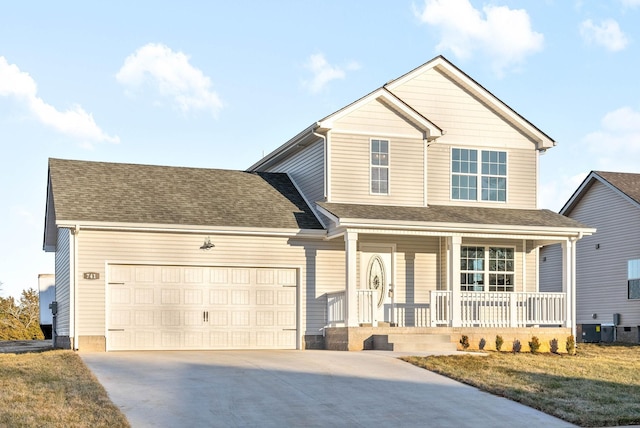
(351, 294)
(453, 244)
(569, 281)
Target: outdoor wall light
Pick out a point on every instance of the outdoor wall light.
(207, 244)
(594, 316)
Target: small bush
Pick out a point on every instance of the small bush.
(464, 341)
(517, 346)
(499, 342)
(482, 344)
(571, 345)
(553, 346)
(534, 344)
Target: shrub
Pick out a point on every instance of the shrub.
(553, 346)
(517, 346)
(571, 345)
(464, 341)
(482, 344)
(499, 342)
(534, 344)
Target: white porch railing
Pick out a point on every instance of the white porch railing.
(477, 309)
(500, 309)
(336, 310)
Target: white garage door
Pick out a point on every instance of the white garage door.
(179, 307)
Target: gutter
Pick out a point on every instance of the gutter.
(263, 163)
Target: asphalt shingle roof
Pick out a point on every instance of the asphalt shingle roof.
(453, 214)
(627, 183)
(130, 193)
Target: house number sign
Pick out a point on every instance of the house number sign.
(91, 275)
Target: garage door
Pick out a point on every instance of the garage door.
(180, 307)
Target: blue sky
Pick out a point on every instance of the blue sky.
(217, 84)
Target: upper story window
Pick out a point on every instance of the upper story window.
(465, 175)
(380, 166)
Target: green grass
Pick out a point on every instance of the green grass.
(53, 389)
(600, 386)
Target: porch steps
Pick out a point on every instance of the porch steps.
(413, 342)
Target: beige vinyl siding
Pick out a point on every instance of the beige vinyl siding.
(63, 282)
(350, 171)
(521, 177)
(551, 268)
(320, 263)
(306, 169)
(464, 118)
(602, 273)
(375, 118)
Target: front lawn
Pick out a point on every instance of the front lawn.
(53, 389)
(600, 386)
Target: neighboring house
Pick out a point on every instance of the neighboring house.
(608, 262)
(46, 295)
(411, 210)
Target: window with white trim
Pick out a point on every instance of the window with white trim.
(380, 166)
(493, 267)
(633, 279)
(465, 175)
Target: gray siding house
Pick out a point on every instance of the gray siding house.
(411, 211)
(608, 262)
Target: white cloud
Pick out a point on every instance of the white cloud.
(323, 72)
(172, 76)
(630, 3)
(607, 34)
(617, 143)
(501, 34)
(75, 122)
(555, 193)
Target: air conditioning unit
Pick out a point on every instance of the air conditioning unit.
(591, 333)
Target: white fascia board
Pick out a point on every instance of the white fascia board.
(146, 227)
(431, 130)
(281, 151)
(543, 141)
(463, 228)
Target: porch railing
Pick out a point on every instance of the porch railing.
(500, 309)
(477, 309)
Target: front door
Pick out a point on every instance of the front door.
(376, 273)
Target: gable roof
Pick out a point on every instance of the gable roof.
(386, 95)
(447, 68)
(625, 184)
(444, 217)
(81, 191)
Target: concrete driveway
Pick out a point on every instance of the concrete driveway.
(296, 388)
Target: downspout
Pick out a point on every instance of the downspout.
(325, 140)
(75, 232)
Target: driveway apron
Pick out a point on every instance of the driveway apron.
(296, 388)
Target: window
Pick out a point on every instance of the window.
(633, 279)
(380, 166)
(493, 266)
(465, 175)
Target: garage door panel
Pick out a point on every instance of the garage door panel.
(206, 308)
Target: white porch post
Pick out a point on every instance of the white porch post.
(569, 281)
(351, 294)
(453, 244)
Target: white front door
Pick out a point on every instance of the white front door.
(376, 273)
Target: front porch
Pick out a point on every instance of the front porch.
(455, 309)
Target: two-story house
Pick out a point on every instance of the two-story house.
(411, 210)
